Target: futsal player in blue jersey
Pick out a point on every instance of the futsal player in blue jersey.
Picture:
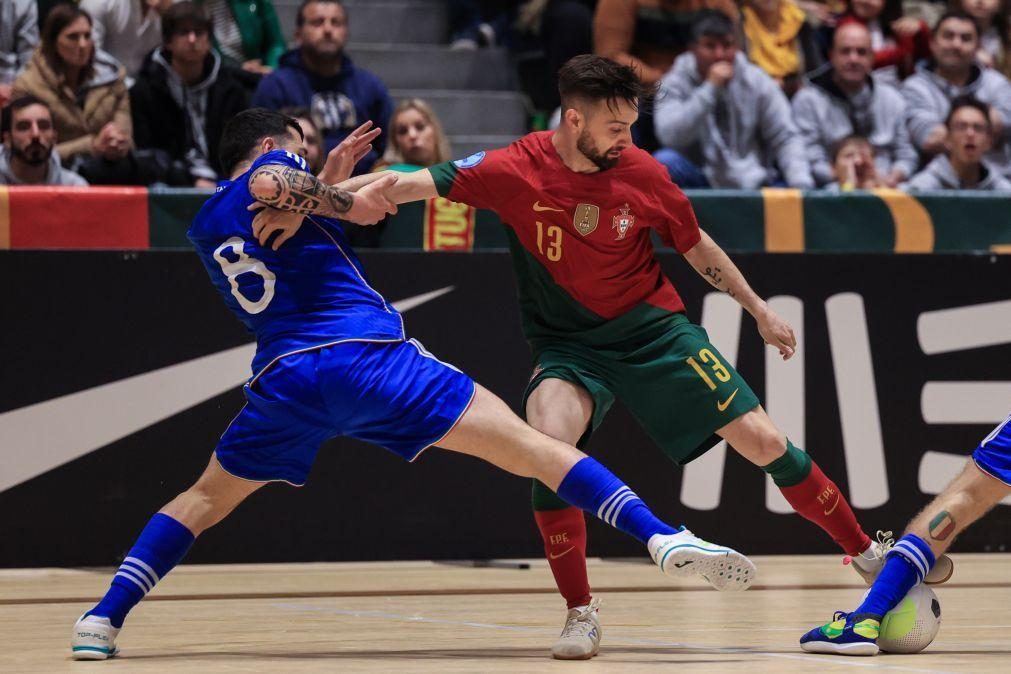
(332, 360)
(985, 480)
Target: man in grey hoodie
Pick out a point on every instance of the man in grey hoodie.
(719, 112)
(27, 156)
(953, 72)
(962, 167)
(19, 33)
(843, 99)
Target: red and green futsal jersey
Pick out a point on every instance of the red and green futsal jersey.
(581, 242)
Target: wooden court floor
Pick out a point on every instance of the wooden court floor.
(427, 617)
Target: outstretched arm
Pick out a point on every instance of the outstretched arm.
(713, 264)
(413, 186)
(295, 191)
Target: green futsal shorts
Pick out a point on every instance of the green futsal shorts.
(668, 375)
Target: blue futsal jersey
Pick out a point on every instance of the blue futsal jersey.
(311, 292)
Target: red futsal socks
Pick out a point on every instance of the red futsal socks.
(564, 534)
(817, 499)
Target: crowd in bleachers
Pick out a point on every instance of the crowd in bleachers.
(812, 94)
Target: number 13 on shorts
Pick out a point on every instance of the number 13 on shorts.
(709, 358)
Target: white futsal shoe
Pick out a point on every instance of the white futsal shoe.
(580, 638)
(683, 554)
(94, 639)
(870, 562)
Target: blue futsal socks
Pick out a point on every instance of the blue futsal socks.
(593, 488)
(161, 545)
(905, 565)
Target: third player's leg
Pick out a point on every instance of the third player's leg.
(969, 496)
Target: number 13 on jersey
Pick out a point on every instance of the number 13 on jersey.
(549, 241)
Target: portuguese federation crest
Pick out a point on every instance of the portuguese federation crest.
(623, 222)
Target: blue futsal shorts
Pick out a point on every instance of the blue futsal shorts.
(993, 456)
(395, 395)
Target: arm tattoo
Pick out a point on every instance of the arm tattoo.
(290, 189)
(715, 278)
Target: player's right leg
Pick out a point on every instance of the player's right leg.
(562, 410)
(161, 545)
(985, 480)
(491, 431)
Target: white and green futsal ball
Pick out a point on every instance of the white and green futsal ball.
(913, 624)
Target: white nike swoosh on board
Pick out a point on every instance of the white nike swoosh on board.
(43, 436)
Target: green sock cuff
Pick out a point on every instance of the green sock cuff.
(542, 498)
(791, 468)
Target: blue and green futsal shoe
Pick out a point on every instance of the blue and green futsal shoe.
(847, 634)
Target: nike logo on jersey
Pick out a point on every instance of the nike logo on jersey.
(552, 555)
(722, 406)
(43, 436)
(539, 208)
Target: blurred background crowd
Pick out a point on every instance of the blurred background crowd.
(836, 95)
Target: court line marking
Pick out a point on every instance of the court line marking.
(635, 641)
(452, 592)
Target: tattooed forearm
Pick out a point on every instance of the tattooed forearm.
(715, 278)
(289, 189)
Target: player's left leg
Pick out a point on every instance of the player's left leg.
(165, 540)
(811, 493)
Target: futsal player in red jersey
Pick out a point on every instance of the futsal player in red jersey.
(604, 322)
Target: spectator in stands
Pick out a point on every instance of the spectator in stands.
(779, 40)
(247, 33)
(310, 135)
(649, 34)
(85, 90)
(723, 121)
(993, 23)
(416, 141)
(416, 137)
(962, 166)
(953, 72)
(183, 97)
(853, 166)
(899, 42)
(321, 77)
(843, 99)
(27, 156)
(127, 29)
(19, 34)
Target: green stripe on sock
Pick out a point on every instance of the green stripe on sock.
(542, 498)
(791, 468)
